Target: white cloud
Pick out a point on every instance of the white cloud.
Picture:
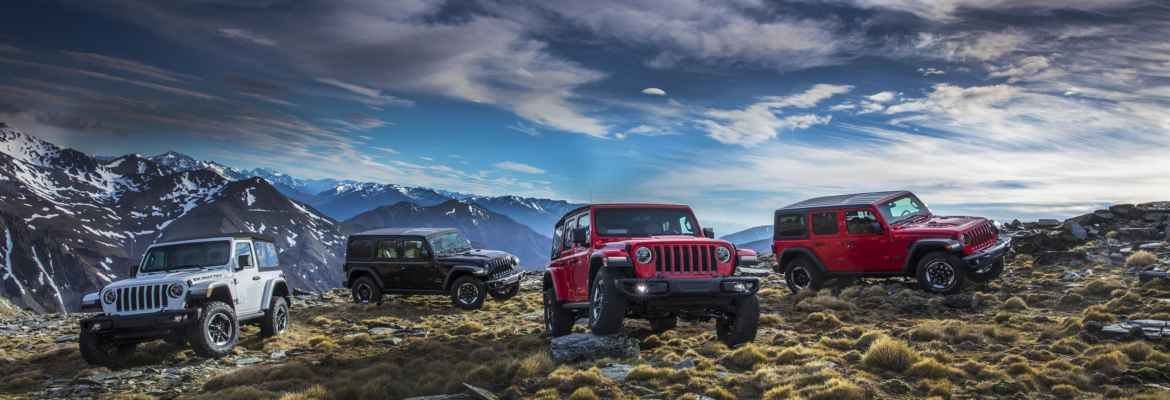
(931, 71)
(245, 35)
(945, 10)
(654, 91)
(519, 167)
(711, 32)
(759, 122)
(368, 95)
(882, 97)
(971, 46)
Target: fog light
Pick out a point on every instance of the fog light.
(641, 288)
(178, 318)
(737, 287)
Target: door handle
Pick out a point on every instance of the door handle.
(256, 278)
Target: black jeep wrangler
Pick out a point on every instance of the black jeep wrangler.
(427, 261)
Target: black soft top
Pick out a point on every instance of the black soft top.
(844, 200)
(404, 232)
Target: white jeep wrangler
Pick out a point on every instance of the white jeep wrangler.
(195, 290)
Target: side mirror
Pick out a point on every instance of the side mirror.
(581, 236)
(709, 233)
(243, 261)
(875, 227)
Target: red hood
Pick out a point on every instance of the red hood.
(940, 224)
(664, 239)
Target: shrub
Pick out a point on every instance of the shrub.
(468, 328)
(1111, 362)
(823, 320)
(1137, 351)
(745, 357)
(1015, 303)
(890, 354)
(835, 389)
(583, 393)
(315, 392)
(931, 368)
(1063, 391)
(1141, 258)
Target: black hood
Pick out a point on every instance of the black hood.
(475, 256)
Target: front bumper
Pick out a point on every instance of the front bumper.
(149, 325)
(507, 280)
(715, 288)
(985, 257)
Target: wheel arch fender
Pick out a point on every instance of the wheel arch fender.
(923, 246)
(460, 270)
(216, 291)
(356, 272)
(274, 287)
(598, 260)
(794, 252)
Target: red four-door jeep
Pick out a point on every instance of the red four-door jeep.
(883, 234)
(651, 261)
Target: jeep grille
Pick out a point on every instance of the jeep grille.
(982, 236)
(141, 298)
(684, 258)
(499, 267)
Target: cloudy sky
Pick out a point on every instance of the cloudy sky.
(990, 107)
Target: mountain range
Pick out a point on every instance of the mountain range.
(758, 238)
(72, 222)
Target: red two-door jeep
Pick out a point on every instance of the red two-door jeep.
(883, 234)
(651, 261)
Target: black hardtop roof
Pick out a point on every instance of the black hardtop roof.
(405, 232)
(843, 200)
(233, 235)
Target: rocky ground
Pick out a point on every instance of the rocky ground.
(1046, 329)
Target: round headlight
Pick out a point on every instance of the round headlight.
(966, 239)
(175, 290)
(644, 255)
(723, 253)
(110, 297)
(515, 260)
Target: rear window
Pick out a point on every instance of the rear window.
(791, 226)
(360, 249)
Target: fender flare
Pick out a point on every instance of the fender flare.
(269, 290)
(459, 270)
(921, 246)
(559, 288)
(203, 293)
(349, 276)
(800, 251)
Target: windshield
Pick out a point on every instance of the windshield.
(902, 208)
(634, 222)
(189, 255)
(450, 243)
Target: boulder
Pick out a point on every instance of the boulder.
(1138, 233)
(583, 346)
(1059, 257)
(1048, 223)
(1124, 210)
(1076, 230)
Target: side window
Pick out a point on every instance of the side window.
(558, 236)
(791, 226)
(414, 249)
(387, 250)
(583, 222)
(567, 240)
(266, 257)
(825, 223)
(360, 249)
(861, 222)
(245, 249)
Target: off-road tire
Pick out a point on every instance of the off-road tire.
(215, 319)
(96, 350)
(933, 275)
(988, 274)
(607, 305)
(741, 324)
(800, 270)
(366, 291)
(659, 325)
(506, 293)
(468, 292)
(276, 319)
(558, 321)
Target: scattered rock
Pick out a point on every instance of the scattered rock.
(685, 364)
(1124, 210)
(65, 339)
(617, 372)
(584, 346)
(249, 361)
(1048, 223)
(961, 301)
(480, 393)
(1147, 328)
